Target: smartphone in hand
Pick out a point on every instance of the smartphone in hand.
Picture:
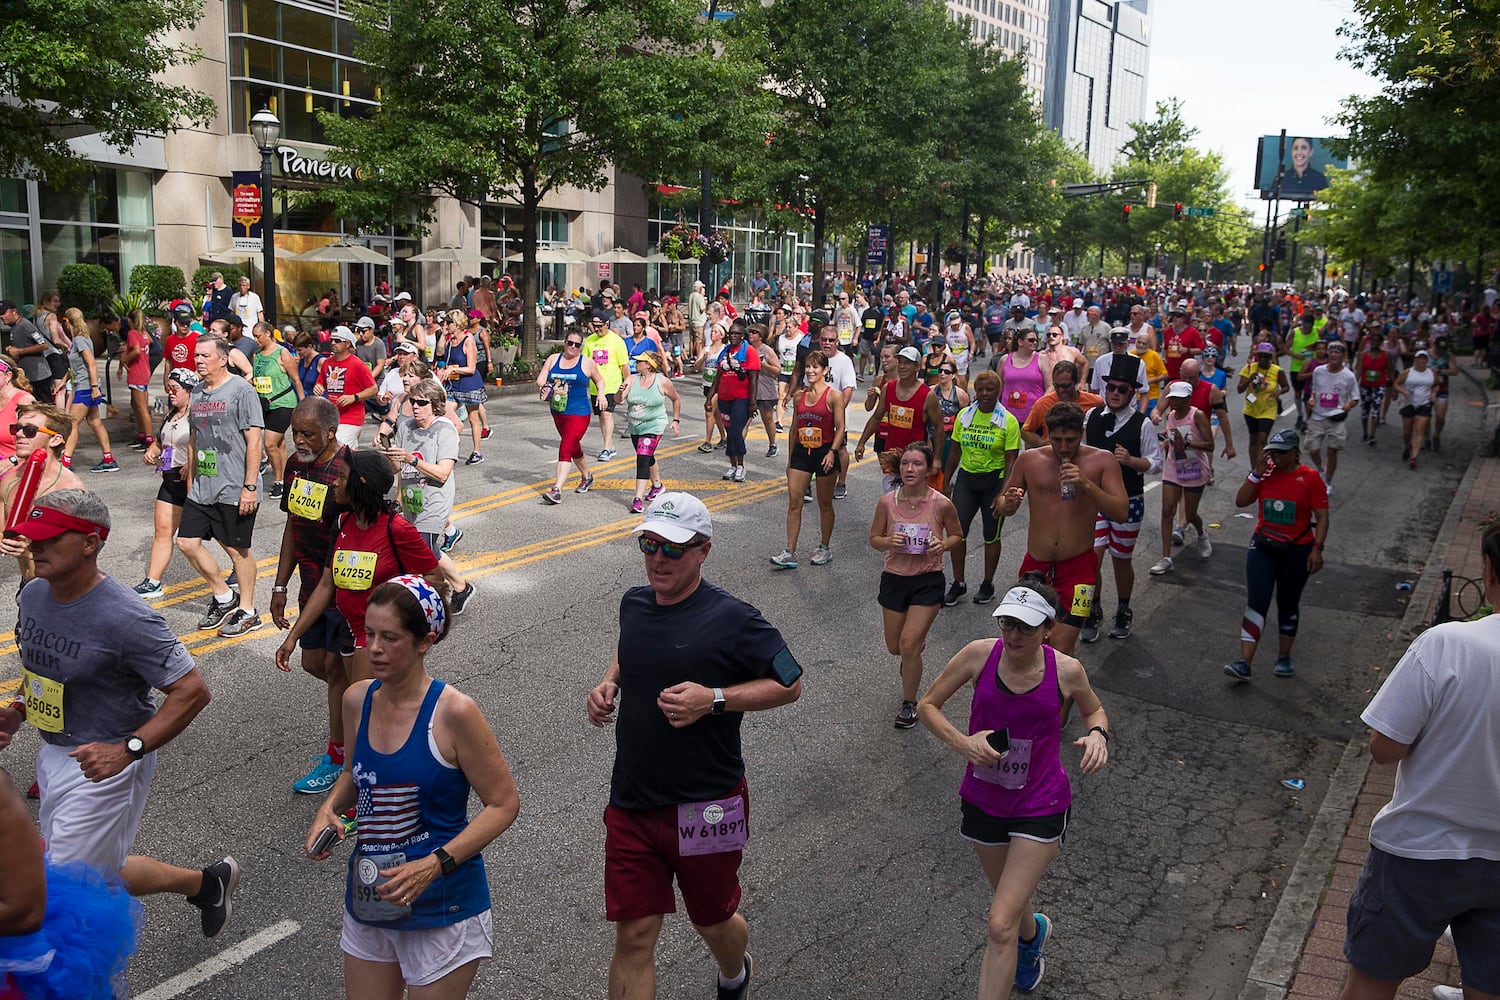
(999, 741)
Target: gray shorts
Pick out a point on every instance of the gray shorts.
(1400, 906)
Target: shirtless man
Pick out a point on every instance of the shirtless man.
(49, 431)
(1069, 485)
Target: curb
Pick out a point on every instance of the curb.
(1275, 962)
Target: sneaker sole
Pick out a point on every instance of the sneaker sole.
(1235, 675)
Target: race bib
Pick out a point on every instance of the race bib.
(1174, 348)
(208, 462)
(411, 499)
(714, 827)
(917, 537)
(263, 385)
(810, 437)
(646, 444)
(1019, 398)
(559, 397)
(1189, 470)
(306, 499)
(44, 701)
(601, 357)
(1328, 401)
(1082, 607)
(165, 461)
(364, 879)
(1012, 770)
(901, 416)
(353, 570)
(1281, 512)
(710, 372)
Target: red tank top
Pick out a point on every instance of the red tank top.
(1375, 366)
(905, 421)
(814, 421)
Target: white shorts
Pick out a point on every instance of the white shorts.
(425, 956)
(348, 435)
(82, 820)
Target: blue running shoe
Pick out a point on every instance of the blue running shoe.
(1029, 962)
(320, 779)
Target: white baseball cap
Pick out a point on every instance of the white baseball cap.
(403, 297)
(343, 333)
(909, 353)
(1025, 604)
(1179, 390)
(677, 517)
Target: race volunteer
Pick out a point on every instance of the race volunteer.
(691, 660)
(91, 654)
(988, 440)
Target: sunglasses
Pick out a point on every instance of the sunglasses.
(417, 401)
(1064, 385)
(1117, 387)
(672, 550)
(947, 371)
(26, 430)
(572, 343)
(1009, 624)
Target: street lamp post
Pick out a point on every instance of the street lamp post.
(265, 129)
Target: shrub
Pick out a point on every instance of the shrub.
(89, 287)
(158, 282)
(201, 278)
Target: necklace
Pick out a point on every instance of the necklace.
(913, 502)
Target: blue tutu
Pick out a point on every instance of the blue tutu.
(87, 937)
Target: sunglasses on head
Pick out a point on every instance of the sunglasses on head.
(1009, 624)
(26, 430)
(672, 550)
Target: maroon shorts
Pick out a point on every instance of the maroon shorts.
(1076, 581)
(571, 428)
(641, 856)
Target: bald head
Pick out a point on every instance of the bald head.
(1190, 371)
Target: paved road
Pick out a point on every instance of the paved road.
(857, 883)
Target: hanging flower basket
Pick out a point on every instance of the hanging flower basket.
(686, 243)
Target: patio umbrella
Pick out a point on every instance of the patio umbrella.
(229, 255)
(657, 257)
(619, 255)
(344, 253)
(550, 255)
(449, 255)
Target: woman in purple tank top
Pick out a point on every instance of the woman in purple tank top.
(1015, 794)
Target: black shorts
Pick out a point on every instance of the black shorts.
(982, 828)
(1259, 425)
(329, 632)
(172, 490)
(277, 421)
(608, 405)
(1408, 411)
(898, 593)
(222, 522)
(810, 461)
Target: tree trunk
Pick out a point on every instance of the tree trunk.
(530, 216)
(820, 229)
(979, 250)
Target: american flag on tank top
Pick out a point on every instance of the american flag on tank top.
(389, 813)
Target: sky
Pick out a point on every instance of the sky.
(1247, 68)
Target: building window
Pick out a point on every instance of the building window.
(500, 235)
(109, 222)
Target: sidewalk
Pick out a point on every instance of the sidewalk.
(1301, 962)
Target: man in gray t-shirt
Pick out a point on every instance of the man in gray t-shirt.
(91, 653)
(28, 346)
(224, 492)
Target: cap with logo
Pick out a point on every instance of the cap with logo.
(343, 333)
(1287, 440)
(677, 517)
(1025, 604)
(49, 522)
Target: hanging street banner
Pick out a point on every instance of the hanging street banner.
(245, 210)
(877, 237)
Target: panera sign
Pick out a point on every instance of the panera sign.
(295, 164)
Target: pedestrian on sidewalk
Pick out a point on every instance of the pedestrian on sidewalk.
(1434, 858)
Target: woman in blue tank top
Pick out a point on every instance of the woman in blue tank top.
(420, 747)
(1015, 796)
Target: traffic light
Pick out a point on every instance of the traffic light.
(1177, 212)
(1127, 214)
(1279, 253)
(1151, 195)
(1261, 267)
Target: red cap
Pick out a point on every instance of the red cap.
(49, 522)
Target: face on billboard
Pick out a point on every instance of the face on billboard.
(1301, 170)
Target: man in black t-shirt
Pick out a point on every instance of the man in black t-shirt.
(691, 660)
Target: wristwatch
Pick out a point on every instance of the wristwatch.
(445, 861)
(135, 746)
(1101, 731)
(718, 708)
(252, 487)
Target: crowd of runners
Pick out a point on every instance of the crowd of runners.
(1071, 399)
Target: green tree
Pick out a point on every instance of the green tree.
(73, 68)
(529, 98)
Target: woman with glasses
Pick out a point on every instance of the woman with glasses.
(1015, 798)
(168, 454)
(458, 356)
(15, 392)
(708, 364)
(932, 362)
(767, 385)
(646, 395)
(1023, 380)
(813, 443)
(913, 526)
(960, 341)
(38, 425)
(951, 399)
(564, 386)
(1058, 349)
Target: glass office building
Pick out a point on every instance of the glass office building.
(1099, 55)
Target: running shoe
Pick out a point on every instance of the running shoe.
(956, 590)
(728, 475)
(586, 484)
(553, 496)
(460, 600)
(1205, 547)
(1163, 566)
(607, 455)
(474, 458)
(1179, 537)
(216, 899)
(1123, 618)
(786, 559)
(985, 594)
(149, 589)
(241, 622)
(720, 444)
(1284, 667)
(275, 490)
(739, 473)
(907, 716)
(1447, 993)
(740, 992)
(233, 580)
(1371, 441)
(106, 467)
(840, 491)
(637, 505)
(779, 427)
(451, 538)
(771, 451)
(1029, 962)
(320, 779)
(823, 556)
(138, 445)
(1413, 464)
(484, 434)
(1239, 670)
(216, 613)
(706, 448)
(654, 492)
(1406, 453)
(1090, 630)
(807, 495)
